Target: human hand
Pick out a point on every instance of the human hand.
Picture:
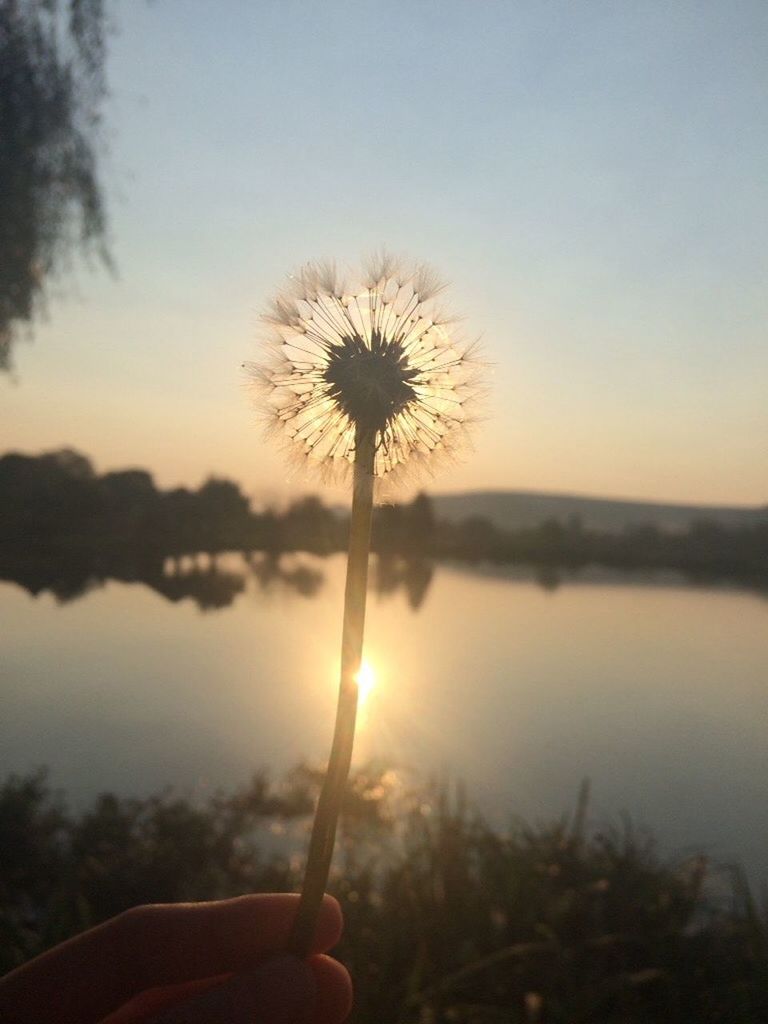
(188, 963)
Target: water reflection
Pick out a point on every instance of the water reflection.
(211, 582)
(548, 577)
(271, 573)
(210, 588)
(69, 577)
(414, 576)
(651, 687)
(65, 578)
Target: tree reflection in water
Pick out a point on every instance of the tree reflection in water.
(68, 576)
(270, 572)
(414, 575)
(211, 582)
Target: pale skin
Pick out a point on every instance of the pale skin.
(193, 963)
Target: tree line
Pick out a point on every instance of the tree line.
(55, 504)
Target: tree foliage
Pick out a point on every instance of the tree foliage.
(51, 90)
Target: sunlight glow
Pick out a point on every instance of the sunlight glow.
(366, 682)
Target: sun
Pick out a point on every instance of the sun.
(366, 683)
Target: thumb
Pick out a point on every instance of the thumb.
(280, 990)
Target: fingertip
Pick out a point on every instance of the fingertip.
(333, 1000)
(330, 924)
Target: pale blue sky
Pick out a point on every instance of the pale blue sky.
(592, 177)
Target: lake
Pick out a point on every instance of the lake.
(521, 685)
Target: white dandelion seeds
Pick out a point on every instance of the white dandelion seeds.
(374, 356)
(367, 377)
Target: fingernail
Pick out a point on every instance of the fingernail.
(280, 990)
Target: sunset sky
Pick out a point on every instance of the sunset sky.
(590, 176)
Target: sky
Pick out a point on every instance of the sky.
(591, 176)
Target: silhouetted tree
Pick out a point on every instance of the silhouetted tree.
(308, 525)
(420, 521)
(177, 532)
(43, 497)
(130, 506)
(51, 90)
(222, 513)
(404, 529)
(387, 533)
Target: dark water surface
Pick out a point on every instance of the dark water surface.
(656, 690)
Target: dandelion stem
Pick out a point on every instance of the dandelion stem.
(334, 785)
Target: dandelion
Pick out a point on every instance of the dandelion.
(366, 378)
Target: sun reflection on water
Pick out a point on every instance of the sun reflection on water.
(366, 683)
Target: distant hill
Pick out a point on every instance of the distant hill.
(519, 509)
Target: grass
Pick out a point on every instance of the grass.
(448, 919)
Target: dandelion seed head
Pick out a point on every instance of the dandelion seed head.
(372, 355)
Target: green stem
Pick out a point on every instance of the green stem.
(334, 786)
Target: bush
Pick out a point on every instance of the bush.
(447, 918)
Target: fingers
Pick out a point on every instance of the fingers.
(333, 986)
(279, 991)
(282, 990)
(149, 1003)
(165, 944)
(94, 973)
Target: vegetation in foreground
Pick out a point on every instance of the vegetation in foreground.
(448, 919)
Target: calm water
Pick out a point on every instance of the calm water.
(655, 690)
